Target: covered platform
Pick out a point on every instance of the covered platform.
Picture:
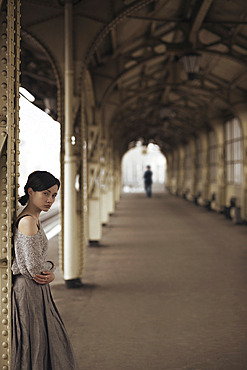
(165, 289)
(163, 281)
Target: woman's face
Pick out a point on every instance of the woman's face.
(44, 199)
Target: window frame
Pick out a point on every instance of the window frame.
(233, 152)
(212, 157)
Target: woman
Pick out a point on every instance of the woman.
(39, 338)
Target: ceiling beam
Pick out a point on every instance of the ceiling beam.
(198, 21)
(153, 57)
(243, 18)
(238, 79)
(187, 21)
(35, 76)
(114, 39)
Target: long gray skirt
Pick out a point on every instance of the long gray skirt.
(39, 337)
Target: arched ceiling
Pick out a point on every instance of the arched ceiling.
(38, 75)
(134, 51)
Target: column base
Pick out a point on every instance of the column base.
(73, 283)
(93, 242)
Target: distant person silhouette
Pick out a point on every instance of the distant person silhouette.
(148, 181)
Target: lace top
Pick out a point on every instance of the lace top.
(31, 254)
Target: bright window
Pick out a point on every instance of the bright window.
(213, 157)
(233, 149)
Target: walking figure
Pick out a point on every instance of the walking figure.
(39, 337)
(148, 181)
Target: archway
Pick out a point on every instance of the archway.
(134, 163)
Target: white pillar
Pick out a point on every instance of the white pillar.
(71, 243)
(94, 221)
(94, 211)
(104, 208)
(110, 187)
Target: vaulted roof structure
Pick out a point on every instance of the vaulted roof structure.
(137, 53)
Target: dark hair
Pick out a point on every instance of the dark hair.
(38, 181)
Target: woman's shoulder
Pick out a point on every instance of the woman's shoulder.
(27, 225)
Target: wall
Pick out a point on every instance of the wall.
(212, 187)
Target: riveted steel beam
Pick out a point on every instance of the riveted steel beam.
(105, 31)
(9, 144)
(186, 21)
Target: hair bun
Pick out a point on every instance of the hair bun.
(24, 199)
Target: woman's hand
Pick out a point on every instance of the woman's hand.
(45, 278)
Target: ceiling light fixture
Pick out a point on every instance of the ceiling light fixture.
(191, 63)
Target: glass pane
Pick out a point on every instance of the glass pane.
(231, 173)
(241, 173)
(228, 173)
(238, 173)
(211, 173)
(228, 127)
(228, 152)
(235, 150)
(236, 128)
(241, 150)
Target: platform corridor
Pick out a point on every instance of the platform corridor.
(165, 290)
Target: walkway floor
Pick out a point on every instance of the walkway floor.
(165, 290)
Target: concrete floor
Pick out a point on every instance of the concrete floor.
(165, 290)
